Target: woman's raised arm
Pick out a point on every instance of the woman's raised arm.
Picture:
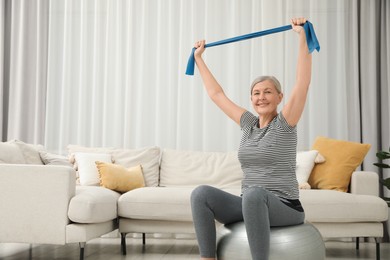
(293, 109)
(214, 90)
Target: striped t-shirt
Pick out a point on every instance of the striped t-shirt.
(268, 156)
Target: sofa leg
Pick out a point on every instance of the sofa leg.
(378, 240)
(30, 252)
(82, 246)
(143, 239)
(123, 243)
(357, 243)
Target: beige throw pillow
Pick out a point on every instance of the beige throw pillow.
(341, 160)
(119, 178)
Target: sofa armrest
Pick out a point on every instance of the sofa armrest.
(34, 202)
(365, 183)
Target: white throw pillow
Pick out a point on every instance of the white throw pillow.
(72, 149)
(305, 164)
(87, 170)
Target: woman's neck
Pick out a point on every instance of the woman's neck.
(264, 120)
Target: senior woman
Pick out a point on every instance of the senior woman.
(267, 154)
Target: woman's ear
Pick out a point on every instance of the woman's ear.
(280, 97)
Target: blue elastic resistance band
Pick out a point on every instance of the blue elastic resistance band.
(311, 39)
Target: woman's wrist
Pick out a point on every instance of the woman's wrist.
(302, 35)
(197, 57)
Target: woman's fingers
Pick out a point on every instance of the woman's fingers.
(297, 23)
(199, 44)
(298, 20)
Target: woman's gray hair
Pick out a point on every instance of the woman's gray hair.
(274, 81)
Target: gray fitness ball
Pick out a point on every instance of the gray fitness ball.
(302, 242)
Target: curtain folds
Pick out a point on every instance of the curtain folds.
(3, 105)
(374, 79)
(116, 70)
(112, 73)
(24, 37)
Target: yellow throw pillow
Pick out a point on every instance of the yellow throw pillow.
(341, 160)
(119, 178)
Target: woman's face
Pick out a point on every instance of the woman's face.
(265, 98)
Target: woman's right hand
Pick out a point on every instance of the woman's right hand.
(199, 46)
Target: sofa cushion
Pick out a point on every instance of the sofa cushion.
(54, 159)
(10, 153)
(93, 204)
(159, 203)
(148, 158)
(342, 158)
(192, 168)
(30, 152)
(18, 152)
(336, 206)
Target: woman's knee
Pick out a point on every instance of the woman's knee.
(200, 193)
(255, 195)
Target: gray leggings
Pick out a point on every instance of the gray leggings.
(259, 208)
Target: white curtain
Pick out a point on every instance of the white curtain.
(116, 70)
(374, 53)
(23, 56)
(2, 12)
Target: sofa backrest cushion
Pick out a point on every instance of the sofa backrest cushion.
(54, 159)
(18, 152)
(10, 153)
(193, 168)
(30, 152)
(148, 158)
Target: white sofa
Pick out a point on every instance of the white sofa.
(43, 204)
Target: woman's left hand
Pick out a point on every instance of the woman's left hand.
(297, 24)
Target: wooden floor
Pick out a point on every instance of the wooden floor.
(109, 248)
